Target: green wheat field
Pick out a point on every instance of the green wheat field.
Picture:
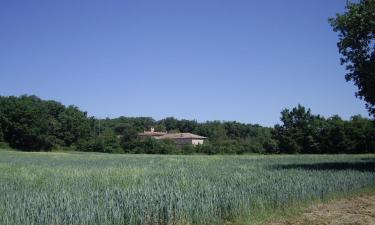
(89, 188)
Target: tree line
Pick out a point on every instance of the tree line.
(29, 123)
(303, 132)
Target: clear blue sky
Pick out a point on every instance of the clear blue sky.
(240, 60)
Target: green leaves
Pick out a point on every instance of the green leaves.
(356, 28)
(31, 124)
(303, 132)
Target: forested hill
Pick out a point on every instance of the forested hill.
(31, 124)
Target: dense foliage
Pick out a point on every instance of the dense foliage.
(303, 132)
(87, 188)
(356, 28)
(31, 124)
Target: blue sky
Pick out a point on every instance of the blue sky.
(240, 60)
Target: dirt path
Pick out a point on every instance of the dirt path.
(358, 210)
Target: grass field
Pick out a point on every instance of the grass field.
(89, 188)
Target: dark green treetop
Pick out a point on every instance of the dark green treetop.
(356, 28)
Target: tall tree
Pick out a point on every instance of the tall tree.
(356, 28)
(25, 120)
(299, 131)
(75, 125)
(129, 137)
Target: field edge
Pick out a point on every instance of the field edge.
(292, 212)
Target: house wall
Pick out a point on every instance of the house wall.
(197, 141)
(188, 141)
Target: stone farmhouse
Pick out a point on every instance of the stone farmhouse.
(180, 139)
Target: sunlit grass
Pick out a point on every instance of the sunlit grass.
(91, 188)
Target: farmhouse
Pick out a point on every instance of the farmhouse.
(179, 139)
(184, 138)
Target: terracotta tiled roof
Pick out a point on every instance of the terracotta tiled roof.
(181, 136)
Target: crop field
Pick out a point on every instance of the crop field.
(89, 188)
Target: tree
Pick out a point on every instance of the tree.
(120, 128)
(214, 130)
(356, 28)
(107, 142)
(299, 131)
(75, 125)
(110, 142)
(25, 120)
(2, 122)
(362, 131)
(236, 130)
(129, 137)
(187, 125)
(333, 137)
(1, 134)
(32, 124)
(170, 123)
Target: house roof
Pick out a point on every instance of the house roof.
(181, 136)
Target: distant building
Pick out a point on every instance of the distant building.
(179, 139)
(183, 138)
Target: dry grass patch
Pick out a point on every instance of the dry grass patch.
(359, 210)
